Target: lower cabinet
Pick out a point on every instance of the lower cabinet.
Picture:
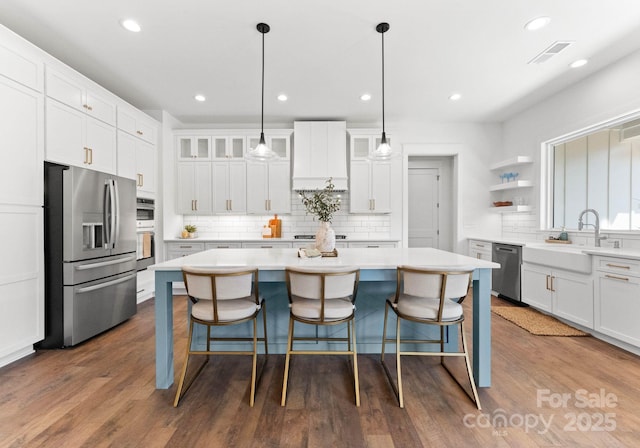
(223, 245)
(266, 244)
(177, 250)
(480, 250)
(565, 294)
(372, 244)
(617, 299)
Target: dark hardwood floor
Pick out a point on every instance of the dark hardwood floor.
(547, 391)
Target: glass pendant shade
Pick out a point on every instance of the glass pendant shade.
(262, 153)
(383, 151)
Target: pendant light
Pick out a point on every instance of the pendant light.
(262, 153)
(383, 151)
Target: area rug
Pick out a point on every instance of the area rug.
(535, 322)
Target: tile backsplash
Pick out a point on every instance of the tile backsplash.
(525, 227)
(355, 226)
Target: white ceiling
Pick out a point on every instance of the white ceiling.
(324, 54)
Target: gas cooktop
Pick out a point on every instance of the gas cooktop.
(313, 237)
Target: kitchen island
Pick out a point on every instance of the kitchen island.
(377, 281)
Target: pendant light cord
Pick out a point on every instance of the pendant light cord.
(382, 83)
(262, 101)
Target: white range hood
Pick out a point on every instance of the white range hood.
(319, 153)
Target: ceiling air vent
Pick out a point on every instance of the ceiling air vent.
(550, 51)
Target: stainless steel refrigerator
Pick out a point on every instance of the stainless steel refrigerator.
(90, 253)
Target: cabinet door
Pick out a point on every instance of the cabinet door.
(535, 287)
(381, 187)
(126, 156)
(21, 128)
(100, 107)
(194, 148)
(65, 90)
(360, 147)
(220, 187)
(280, 145)
(203, 188)
(257, 188)
(146, 167)
(359, 199)
(185, 188)
(617, 307)
(237, 187)
(573, 297)
(101, 140)
(65, 135)
(279, 187)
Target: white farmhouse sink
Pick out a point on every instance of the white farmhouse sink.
(566, 257)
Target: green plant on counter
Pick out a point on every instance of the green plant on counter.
(322, 203)
(190, 228)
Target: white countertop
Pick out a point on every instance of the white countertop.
(287, 240)
(369, 258)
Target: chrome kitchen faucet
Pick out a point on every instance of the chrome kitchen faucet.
(596, 226)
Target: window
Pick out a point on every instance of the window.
(601, 171)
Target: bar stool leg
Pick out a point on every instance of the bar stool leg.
(286, 363)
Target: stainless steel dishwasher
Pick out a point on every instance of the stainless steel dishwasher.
(506, 280)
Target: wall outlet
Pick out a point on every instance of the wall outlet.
(611, 242)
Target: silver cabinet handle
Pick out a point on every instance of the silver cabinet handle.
(547, 284)
(619, 266)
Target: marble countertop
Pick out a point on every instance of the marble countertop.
(205, 239)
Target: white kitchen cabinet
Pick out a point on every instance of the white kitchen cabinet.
(22, 280)
(362, 143)
(229, 187)
(194, 188)
(370, 187)
(303, 244)
(136, 123)
(321, 150)
(137, 160)
(269, 187)
(76, 139)
(190, 147)
(22, 131)
(228, 147)
(617, 298)
(73, 91)
(480, 250)
(564, 294)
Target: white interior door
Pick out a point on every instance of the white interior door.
(424, 207)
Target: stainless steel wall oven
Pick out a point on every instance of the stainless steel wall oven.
(145, 233)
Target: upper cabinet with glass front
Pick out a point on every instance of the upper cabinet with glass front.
(190, 147)
(364, 143)
(228, 147)
(278, 140)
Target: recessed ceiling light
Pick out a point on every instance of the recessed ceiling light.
(537, 23)
(455, 96)
(131, 25)
(365, 97)
(200, 98)
(578, 63)
(282, 97)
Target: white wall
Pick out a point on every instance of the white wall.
(609, 93)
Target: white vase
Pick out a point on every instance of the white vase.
(325, 237)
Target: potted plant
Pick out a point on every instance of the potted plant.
(190, 229)
(323, 204)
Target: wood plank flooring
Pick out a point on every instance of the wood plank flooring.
(102, 394)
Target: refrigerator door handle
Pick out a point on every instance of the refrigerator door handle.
(106, 222)
(116, 214)
(110, 214)
(105, 285)
(84, 267)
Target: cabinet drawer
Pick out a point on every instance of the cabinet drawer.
(185, 247)
(620, 266)
(372, 244)
(266, 245)
(233, 245)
